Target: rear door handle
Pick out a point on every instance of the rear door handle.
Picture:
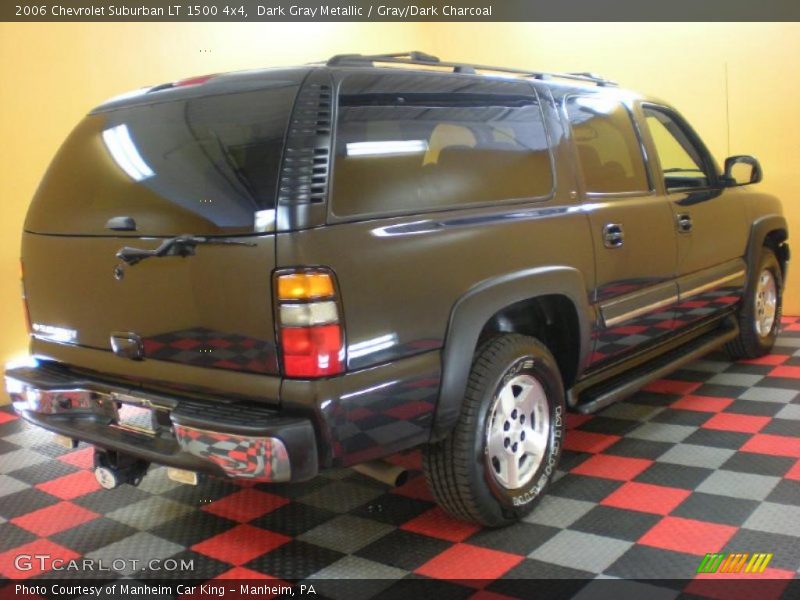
(613, 235)
(685, 223)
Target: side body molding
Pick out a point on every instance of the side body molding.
(474, 309)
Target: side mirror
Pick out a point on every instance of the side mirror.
(742, 170)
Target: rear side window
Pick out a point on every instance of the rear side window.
(407, 143)
(203, 165)
(609, 152)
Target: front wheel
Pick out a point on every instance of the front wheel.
(503, 451)
(760, 314)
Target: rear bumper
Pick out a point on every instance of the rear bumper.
(228, 439)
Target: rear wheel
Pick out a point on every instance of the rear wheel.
(760, 314)
(503, 451)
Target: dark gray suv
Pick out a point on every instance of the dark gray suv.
(263, 274)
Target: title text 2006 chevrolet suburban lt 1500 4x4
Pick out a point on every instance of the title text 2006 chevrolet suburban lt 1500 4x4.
(264, 274)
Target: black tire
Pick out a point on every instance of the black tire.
(750, 343)
(458, 469)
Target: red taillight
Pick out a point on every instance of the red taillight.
(312, 351)
(308, 317)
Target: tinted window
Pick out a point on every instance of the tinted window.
(608, 149)
(204, 164)
(681, 161)
(407, 143)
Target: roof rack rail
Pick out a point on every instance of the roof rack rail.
(423, 59)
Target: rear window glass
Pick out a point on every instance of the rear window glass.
(609, 152)
(407, 143)
(205, 164)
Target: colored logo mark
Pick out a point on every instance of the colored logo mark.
(741, 562)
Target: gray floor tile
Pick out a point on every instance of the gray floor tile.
(792, 412)
(558, 512)
(9, 485)
(768, 394)
(579, 550)
(334, 581)
(735, 379)
(662, 432)
(20, 459)
(738, 485)
(142, 547)
(346, 533)
(149, 513)
(691, 455)
(775, 518)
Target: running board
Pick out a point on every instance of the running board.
(627, 383)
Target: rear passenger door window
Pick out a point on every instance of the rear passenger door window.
(406, 143)
(609, 151)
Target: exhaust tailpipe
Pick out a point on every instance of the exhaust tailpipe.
(385, 472)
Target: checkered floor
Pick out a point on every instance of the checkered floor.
(706, 460)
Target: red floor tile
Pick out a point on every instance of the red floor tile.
(7, 417)
(586, 441)
(612, 467)
(671, 386)
(417, 487)
(71, 486)
(83, 458)
(735, 422)
(244, 573)
(776, 445)
(645, 497)
(702, 403)
(769, 360)
(41, 547)
(794, 472)
(786, 371)
(50, 520)
(436, 523)
(688, 535)
(240, 544)
(245, 505)
(469, 564)
(486, 595)
(576, 420)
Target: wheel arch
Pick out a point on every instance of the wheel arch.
(770, 230)
(475, 310)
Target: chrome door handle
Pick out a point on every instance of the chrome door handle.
(685, 223)
(613, 235)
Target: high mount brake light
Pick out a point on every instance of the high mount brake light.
(309, 321)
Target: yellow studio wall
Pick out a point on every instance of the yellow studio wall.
(715, 74)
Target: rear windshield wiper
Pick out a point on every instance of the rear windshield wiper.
(182, 245)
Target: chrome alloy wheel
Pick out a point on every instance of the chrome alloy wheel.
(766, 303)
(517, 432)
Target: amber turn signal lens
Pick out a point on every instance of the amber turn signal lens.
(304, 286)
